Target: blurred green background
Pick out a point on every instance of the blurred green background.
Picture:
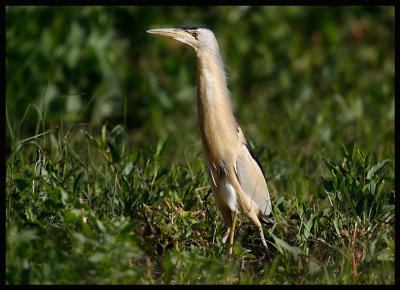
(303, 80)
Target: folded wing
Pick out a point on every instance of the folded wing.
(251, 177)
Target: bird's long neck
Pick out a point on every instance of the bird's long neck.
(216, 120)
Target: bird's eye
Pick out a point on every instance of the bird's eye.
(195, 33)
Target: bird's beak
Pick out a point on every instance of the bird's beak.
(170, 32)
(175, 33)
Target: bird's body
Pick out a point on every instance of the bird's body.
(236, 176)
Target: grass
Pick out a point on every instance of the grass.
(81, 208)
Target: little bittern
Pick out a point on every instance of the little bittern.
(236, 175)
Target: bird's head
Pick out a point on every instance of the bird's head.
(198, 37)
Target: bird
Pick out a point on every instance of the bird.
(236, 175)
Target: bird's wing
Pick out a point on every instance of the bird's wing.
(251, 177)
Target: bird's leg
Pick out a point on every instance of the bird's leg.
(260, 230)
(253, 217)
(227, 215)
(225, 234)
(232, 232)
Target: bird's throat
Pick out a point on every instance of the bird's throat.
(216, 120)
